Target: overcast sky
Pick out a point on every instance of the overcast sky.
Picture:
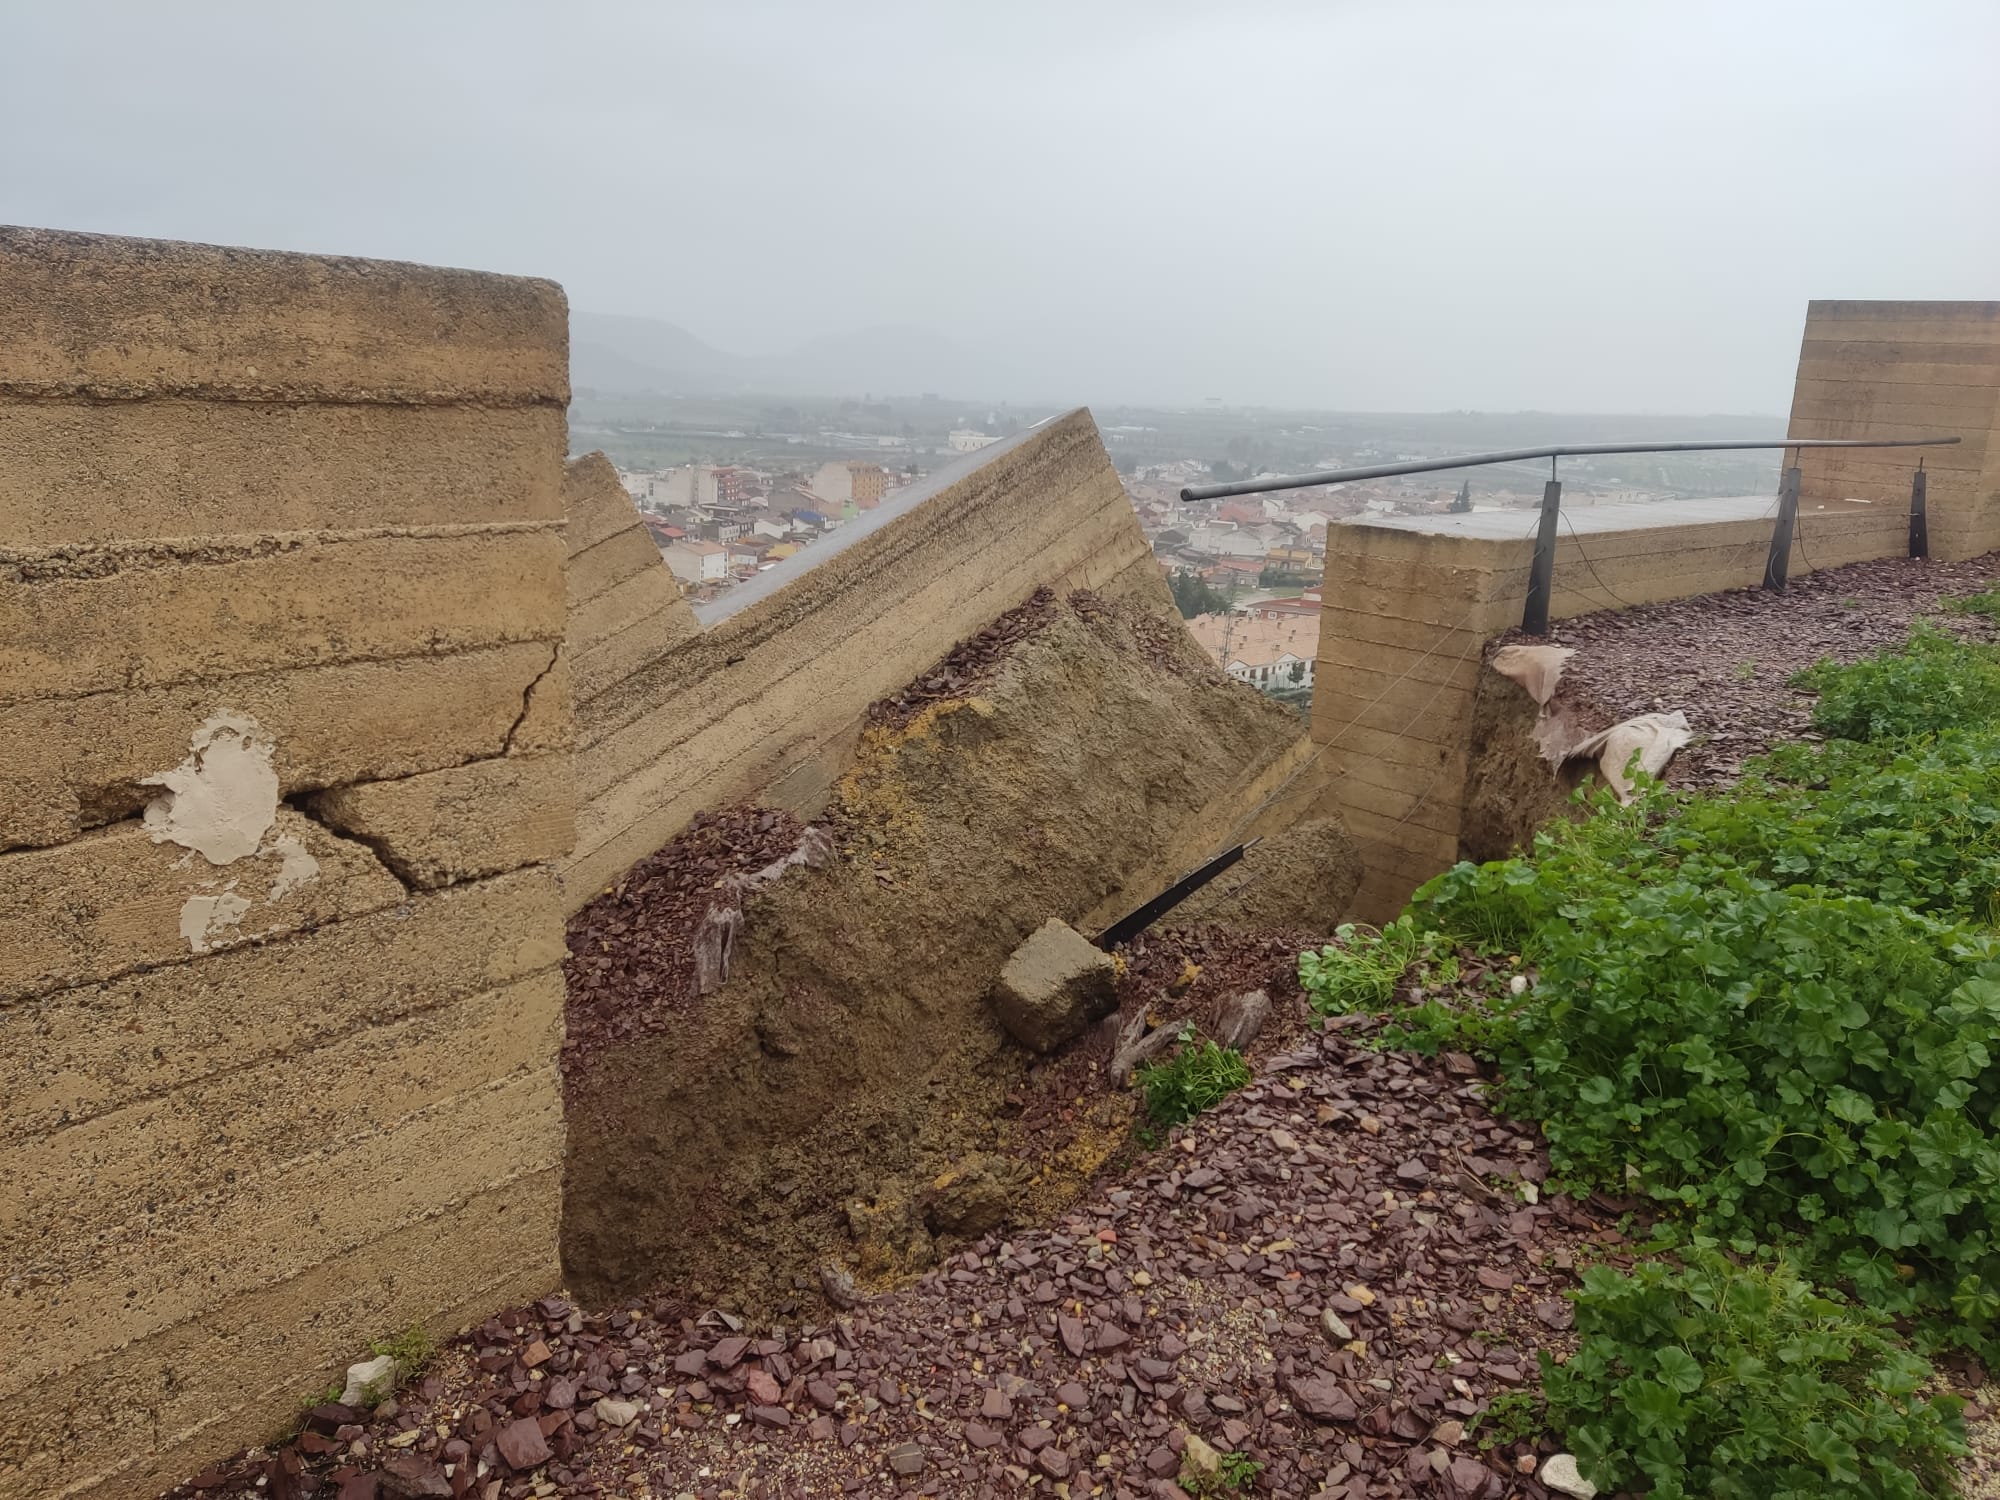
(1609, 205)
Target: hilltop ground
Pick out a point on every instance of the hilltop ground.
(1332, 1274)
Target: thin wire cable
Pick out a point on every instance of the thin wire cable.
(1603, 587)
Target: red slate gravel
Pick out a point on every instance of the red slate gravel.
(1727, 659)
(1276, 1277)
(631, 969)
(969, 663)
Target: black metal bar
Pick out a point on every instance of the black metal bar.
(1920, 524)
(1133, 923)
(1517, 455)
(1780, 565)
(1542, 576)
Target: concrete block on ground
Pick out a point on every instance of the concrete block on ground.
(1053, 987)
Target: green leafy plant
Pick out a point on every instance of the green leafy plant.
(1743, 1382)
(1774, 1011)
(1510, 1417)
(1360, 969)
(1773, 1062)
(1236, 1474)
(411, 1349)
(1986, 602)
(1933, 682)
(1197, 1078)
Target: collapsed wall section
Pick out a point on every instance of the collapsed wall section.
(284, 766)
(770, 696)
(836, 1097)
(1905, 370)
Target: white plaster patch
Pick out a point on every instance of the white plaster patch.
(221, 800)
(204, 917)
(298, 867)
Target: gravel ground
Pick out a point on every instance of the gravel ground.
(1727, 659)
(1333, 1273)
(631, 965)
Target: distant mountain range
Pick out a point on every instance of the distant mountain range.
(625, 356)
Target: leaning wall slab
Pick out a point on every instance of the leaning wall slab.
(768, 696)
(285, 735)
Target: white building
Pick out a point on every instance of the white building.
(697, 562)
(968, 440)
(1226, 541)
(1273, 652)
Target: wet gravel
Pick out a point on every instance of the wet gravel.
(1727, 659)
(968, 664)
(1333, 1272)
(630, 971)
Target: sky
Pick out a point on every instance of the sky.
(1370, 205)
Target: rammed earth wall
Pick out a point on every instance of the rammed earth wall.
(284, 770)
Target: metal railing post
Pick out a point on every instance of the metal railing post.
(1920, 524)
(1542, 576)
(1780, 565)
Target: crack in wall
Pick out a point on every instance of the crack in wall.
(528, 700)
(398, 870)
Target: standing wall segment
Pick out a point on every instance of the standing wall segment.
(285, 738)
(1905, 369)
(1410, 604)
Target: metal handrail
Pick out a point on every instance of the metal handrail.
(1516, 455)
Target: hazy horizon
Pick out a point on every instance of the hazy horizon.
(1549, 206)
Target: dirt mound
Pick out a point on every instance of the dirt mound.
(1510, 789)
(833, 1099)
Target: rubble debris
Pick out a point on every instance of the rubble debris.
(1302, 876)
(1199, 1293)
(851, 1054)
(632, 965)
(969, 664)
(1053, 987)
(1559, 1473)
(1727, 659)
(718, 931)
(1538, 669)
(1730, 657)
(1651, 738)
(1133, 1044)
(972, 1196)
(370, 1381)
(1240, 1017)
